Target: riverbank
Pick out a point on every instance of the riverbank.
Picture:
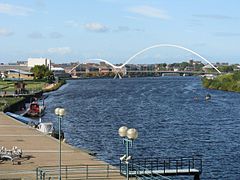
(38, 150)
(53, 86)
(9, 100)
(226, 82)
(6, 102)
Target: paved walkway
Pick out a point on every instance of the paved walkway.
(42, 150)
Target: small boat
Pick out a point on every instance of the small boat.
(22, 119)
(36, 108)
(208, 96)
(46, 127)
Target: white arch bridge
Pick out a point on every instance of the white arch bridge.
(121, 69)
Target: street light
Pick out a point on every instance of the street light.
(60, 113)
(128, 135)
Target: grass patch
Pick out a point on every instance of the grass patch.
(8, 101)
(8, 86)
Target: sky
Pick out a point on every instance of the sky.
(76, 30)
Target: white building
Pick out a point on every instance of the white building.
(59, 72)
(207, 67)
(39, 61)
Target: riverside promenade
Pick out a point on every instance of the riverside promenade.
(39, 150)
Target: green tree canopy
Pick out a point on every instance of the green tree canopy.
(225, 68)
(41, 72)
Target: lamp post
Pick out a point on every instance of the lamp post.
(60, 113)
(128, 135)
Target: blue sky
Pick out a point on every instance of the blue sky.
(74, 30)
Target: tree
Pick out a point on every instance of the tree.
(225, 68)
(41, 72)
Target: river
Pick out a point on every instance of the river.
(170, 113)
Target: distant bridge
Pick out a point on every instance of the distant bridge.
(159, 73)
(176, 72)
(120, 69)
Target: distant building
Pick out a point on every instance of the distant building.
(105, 69)
(19, 74)
(222, 64)
(39, 61)
(59, 72)
(207, 68)
(191, 62)
(22, 63)
(4, 67)
(175, 69)
(189, 68)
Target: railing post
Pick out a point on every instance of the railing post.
(37, 174)
(44, 175)
(196, 177)
(181, 162)
(201, 164)
(127, 154)
(189, 165)
(41, 175)
(87, 172)
(132, 161)
(145, 165)
(169, 163)
(164, 166)
(193, 162)
(108, 170)
(176, 166)
(66, 172)
(120, 166)
(151, 165)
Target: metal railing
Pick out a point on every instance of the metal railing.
(163, 166)
(147, 176)
(71, 172)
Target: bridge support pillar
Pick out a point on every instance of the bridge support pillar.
(197, 177)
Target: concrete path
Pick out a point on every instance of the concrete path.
(42, 150)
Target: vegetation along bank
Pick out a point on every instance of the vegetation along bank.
(226, 82)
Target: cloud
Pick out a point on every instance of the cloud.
(60, 50)
(149, 11)
(55, 35)
(5, 32)
(213, 16)
(36, 35)
(227, 34)
(14, 10)
(96, 27)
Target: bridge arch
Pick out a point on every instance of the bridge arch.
(96, 59)
(116, 69)
(169, 45)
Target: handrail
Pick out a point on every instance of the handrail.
(164, 166)
(97, 171)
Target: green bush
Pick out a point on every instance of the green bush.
(226, 82)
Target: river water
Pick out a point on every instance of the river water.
(170, 113)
